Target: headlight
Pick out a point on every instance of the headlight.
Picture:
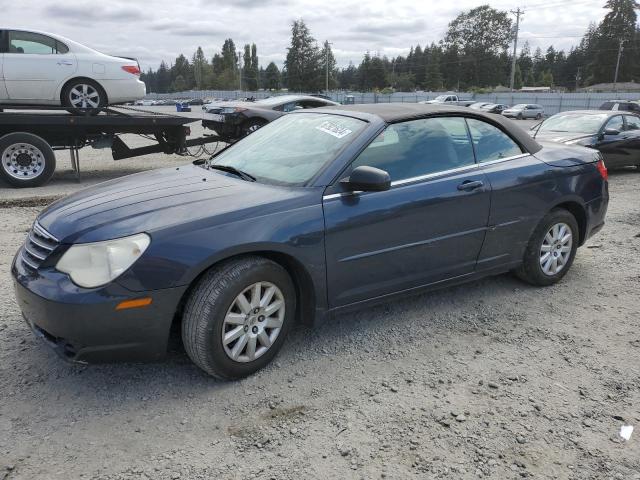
(93, 264)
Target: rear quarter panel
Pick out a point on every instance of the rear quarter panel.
(524, 190)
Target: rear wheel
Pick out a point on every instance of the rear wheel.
(551, 249)
(84, 96)
(27, 160)
(238, 316)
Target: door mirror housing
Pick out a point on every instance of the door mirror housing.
(611, 131)
(367, 179)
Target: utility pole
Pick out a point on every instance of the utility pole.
(578, 79)
(517, 13)
(326, 48)
(615, 79)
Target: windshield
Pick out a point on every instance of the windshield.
(292, 149)
(520, 106)
(574, 123)
(442, 98)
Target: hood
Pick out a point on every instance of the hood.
(562, 137)
(161, 199)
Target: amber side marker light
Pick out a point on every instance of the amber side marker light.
(137, 303)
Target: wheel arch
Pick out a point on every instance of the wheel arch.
(579, 212)
(302, 281)
(81, 77)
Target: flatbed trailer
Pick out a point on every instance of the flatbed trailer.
(30, 135)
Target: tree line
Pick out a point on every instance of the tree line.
(474, 54)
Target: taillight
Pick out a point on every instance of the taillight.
(602, 168)
(133, 69)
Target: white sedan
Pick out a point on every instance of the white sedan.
(38, 68)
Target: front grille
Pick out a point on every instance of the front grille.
(37, 247)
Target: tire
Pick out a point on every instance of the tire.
(95, 97)
(214, 303)
(538, 116)
(252, 125)
(520, 117)
(26, 160)
(532, 269)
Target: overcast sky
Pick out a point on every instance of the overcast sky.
(161, 29)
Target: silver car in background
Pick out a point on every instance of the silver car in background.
(524, 110)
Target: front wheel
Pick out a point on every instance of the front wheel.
(84, 96)
(551, 249)
(238, 316)
(27, 160)
(538, 116)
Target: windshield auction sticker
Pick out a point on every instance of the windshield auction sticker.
(333, 129)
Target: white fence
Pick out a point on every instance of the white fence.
(552, 102)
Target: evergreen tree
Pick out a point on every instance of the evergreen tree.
(303, 63)
(618, 27)
(272, 77)
(200, 68)
(163, 78)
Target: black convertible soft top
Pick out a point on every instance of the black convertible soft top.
(400, 112)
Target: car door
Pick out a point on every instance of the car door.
(35, 65)
(612, 147)
(3, 89)
(631, 139)
(427, 228)
(516, 179)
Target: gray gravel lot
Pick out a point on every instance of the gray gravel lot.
(493, 379)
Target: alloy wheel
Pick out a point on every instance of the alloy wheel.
(23, 161)
(84, 95)
(556, 249)
(253, 322)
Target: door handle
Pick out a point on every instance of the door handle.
(65, 63)
(470, 185)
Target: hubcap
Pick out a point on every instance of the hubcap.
(23, 161)
(556, 249)
(253, 322)
(84, 96)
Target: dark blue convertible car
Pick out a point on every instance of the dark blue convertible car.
(317, 212)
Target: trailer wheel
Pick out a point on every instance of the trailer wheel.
(27, 160)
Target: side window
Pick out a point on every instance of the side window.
(633, 122)
(490, 142)
(310, 104)
(34, 44)
(287, 107)
(616, 123)
(419, 147)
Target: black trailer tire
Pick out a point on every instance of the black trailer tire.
(83, 96)
(228, 335)
(27, 160)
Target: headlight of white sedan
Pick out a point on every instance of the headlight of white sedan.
(94, 264)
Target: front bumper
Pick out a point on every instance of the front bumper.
(230, 128)
(83, 325)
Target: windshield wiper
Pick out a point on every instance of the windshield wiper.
(233, 170)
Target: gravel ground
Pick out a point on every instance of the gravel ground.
(493, 379)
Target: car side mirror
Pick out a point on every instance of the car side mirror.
(367, 179)
(611, 131)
